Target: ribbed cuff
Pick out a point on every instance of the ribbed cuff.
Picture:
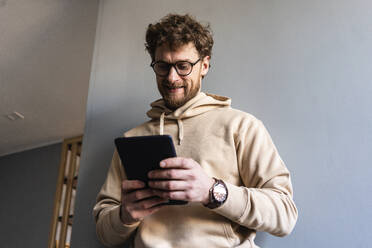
(119, 226)
(236, 203)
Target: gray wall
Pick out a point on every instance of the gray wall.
(302, 67)
(28, 183)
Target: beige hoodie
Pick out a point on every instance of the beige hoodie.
(228, 144)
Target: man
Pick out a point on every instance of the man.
(227, 168)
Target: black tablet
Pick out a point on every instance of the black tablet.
(141, 154)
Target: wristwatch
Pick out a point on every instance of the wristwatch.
(217, 194)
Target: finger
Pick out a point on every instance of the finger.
(173, 195)
(156, 208)
(130, 185)
(170, 185)
(140, 214)
(177, 162)
(149, 203)
(137, 195)
(178, 174)
(136, 213)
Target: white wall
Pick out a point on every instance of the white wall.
(46, 50)
(302, 67)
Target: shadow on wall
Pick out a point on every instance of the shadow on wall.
(260, 239)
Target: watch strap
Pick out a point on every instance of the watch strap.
(213, 203)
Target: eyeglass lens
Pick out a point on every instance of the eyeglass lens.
(183, 68)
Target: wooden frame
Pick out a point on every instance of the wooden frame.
(67, 176)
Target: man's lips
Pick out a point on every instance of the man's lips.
(173, 86)
(173, 89)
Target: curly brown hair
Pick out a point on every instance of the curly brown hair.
(178, 30)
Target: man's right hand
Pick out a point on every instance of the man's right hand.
(137, 202)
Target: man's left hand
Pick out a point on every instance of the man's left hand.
(181, 179)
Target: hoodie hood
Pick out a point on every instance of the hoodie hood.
(200, 104)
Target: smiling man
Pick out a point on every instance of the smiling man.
(227, 168)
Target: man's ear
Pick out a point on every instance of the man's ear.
(205, 65)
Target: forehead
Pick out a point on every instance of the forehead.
(184, 52)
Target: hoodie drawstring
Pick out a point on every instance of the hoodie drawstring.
(180, 127)
(198, 105)
(180, 131)
(161, 131)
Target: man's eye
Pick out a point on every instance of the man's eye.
(183, 66)
(162, 66)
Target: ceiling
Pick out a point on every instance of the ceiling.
(46, 49)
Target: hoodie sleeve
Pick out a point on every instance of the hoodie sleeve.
(110, 230)
(265, 201)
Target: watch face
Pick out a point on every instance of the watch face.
(219, 193)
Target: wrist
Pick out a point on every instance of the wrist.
(123, 218)
(206, 198)
(217, 194)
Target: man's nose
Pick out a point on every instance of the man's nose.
(173, 75)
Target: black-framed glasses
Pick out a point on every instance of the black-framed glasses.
(183, 68)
